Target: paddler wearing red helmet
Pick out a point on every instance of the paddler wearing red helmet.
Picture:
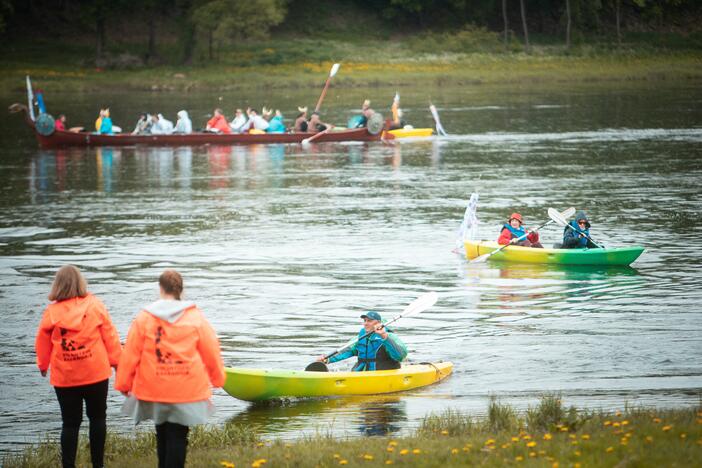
(514, 232)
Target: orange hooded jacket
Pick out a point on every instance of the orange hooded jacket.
(171, 356)
(78, 340)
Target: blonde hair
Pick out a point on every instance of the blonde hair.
(171, 282)
(68, 283)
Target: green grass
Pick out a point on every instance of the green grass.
(547, 435)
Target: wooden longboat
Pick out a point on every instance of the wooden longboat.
(60, 138)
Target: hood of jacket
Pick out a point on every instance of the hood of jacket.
(183, 114)
(580, 214)
(169, 310)
(70, 313)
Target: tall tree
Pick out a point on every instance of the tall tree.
(567, 24)
(505, 21)
(524, 24)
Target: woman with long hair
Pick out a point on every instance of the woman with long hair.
(79, 344)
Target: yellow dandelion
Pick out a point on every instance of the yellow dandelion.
(454, 451)
(585, 437)
(227, 464)
(389, 462)
(548, 436)
(392, 443)
(657, 420)
(572, 436)
(628, 434)
(532, 454)
(337, 456)
(649, 439)
(542, 452)
(554, 465)
(608, 423)
(625, 423)
(518, 458)
(616, 424)
(576, 465)
(466, 449)
(526, 437)
(489, 441)
(609, 449)
(444, 432)
(577, 453)
(683, 435)
(624, 441)
(404, 452)
(343, 462)
(531, 444)
(515, 439)
(564, 429)
(416, 451)
(574, 442)
(667, 428)
(367, 456)
(391, 449)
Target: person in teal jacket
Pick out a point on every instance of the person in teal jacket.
(382, 350)
(577, 236)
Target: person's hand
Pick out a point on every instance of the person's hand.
(513, 241)
(126, 394)
(380, 330)
(43, 373)
(322, 359)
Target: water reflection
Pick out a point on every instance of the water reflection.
(366, 415)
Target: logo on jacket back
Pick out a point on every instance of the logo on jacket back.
(161, 356)
(71, 350)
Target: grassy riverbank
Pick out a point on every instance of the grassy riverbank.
(282, 65)
(546, 435)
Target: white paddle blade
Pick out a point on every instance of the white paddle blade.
(334, 69)
(420, 304)
(568, 213)
(557, 217)
(481, 259)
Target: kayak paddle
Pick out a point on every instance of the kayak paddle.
(332, 72)
(562, 221)
(415, 307)
(569, 212)
(307, 141)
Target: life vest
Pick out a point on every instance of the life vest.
(521, 232)
(77, 341)
(372, 354)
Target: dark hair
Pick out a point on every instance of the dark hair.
(171, 282)
(68, 283)
(253, 110)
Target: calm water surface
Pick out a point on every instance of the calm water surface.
(283, 247)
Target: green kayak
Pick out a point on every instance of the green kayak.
(604, 257)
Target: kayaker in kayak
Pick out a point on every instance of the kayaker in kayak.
(170, 361)
(382, 350)
(301, 121)
(577, 238)
(78, 343)
(315, 125)
(60, 123)
(238, 122)
(514, 230)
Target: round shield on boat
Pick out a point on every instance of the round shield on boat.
(45, 124)
(375, 124)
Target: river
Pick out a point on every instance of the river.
(283, 247)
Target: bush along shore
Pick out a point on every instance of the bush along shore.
(547, 434)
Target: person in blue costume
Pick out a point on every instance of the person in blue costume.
(577, 237)
(106, 123)
(276, 125)
(383, 350)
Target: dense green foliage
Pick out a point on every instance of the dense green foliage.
(185, 31)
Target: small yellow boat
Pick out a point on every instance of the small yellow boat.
(263, 384)
(412, 132)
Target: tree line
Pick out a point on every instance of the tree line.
(205, 23)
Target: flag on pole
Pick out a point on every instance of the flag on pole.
(30, 99)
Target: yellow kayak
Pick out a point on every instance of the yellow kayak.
(411, 132)
(262, 384)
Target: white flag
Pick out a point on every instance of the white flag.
(469, 226)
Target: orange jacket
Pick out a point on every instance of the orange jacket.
(77, 339)
(220, 123)
(171, 356)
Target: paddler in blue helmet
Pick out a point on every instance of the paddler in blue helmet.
(382, 350)
(577, 236)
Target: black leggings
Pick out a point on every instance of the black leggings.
(171, 444)
(71, 402)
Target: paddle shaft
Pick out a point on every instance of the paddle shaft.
(314, 137)
(324, 93)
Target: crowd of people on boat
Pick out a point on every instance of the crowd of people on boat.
(249, 121)
(165, 369)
